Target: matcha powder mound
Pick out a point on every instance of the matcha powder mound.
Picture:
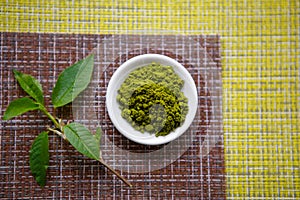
(151, 99)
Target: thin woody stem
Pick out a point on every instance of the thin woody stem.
(58, 133)
(114, 172)
(57, 125)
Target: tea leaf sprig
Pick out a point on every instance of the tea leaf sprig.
(71, 82)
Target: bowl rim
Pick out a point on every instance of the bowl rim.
(123, 71)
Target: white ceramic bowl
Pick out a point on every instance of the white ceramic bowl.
(189, 89)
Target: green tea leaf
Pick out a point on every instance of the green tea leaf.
(72, 81)
(19, 106)
(83, 140)
(30, 85)
(39, 158)
(98, 134)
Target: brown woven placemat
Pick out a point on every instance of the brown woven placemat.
(70, 174)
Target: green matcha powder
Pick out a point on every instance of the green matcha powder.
(151, 99)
